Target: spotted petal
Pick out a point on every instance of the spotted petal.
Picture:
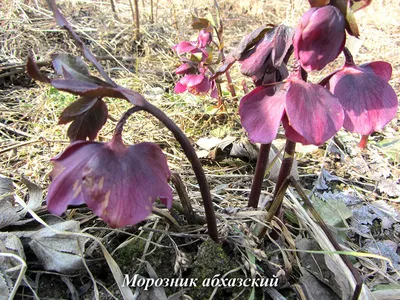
(261, 111)
(313, 111)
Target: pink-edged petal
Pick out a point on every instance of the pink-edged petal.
(368, 100)
(292, 134)
(185, 47)
(121, 186)
(179, 88)
(66, 185)
(380, 68)
(261, 111)
(192, 79)
(313, 111)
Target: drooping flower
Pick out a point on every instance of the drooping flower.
(310, 113)
(263, 54)
(119, 183)
(368, 101)
(320, 37)
(265, 62)
(196, 84)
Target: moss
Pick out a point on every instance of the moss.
(211, 260)
(160, 259)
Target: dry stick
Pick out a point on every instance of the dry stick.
(220, 37)
(114, 10)
(137, 29)
(21, 68)
(262, 162)
(320, 221)
(196, 165)
(151, 12)
(184, 197)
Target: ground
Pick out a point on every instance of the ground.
(355, 191)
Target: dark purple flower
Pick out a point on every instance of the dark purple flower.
(320, 37)
(369, 102)
(265, 62)
(311, 114)
(118, 183)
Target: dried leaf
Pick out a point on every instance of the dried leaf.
(8, 212)
(35, 194)
(70, 66)
(60, 253)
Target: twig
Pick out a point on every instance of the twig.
(15, 130)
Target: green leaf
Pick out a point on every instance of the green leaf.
(332, 211)
(210, 18)
(359, 4)
(391, 148)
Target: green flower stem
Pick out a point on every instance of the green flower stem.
(262, 162)
(196, 165)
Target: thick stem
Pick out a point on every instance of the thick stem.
(285, 172)
(230, 84)
(196, 165)
(262, 162)
(123, 119)
(348, 56)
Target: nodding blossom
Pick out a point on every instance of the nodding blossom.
(119, 183)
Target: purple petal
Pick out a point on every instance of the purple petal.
(192, 79)
(320, 37)
(66, 185)
(183, 69)
(202, 88)
(380, 68)
(121, 184)
(369, 102)
(179, 88)
(313, 111)
(261, 111)
(292, 134)
(184, 47)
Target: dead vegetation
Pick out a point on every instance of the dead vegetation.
(356, 192)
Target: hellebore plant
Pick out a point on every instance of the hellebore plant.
(197, 60)
(119, 183)
(357, 98)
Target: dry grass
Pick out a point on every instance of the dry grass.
(29, 112)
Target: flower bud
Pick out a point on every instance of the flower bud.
(320, 37)
(204, 39)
